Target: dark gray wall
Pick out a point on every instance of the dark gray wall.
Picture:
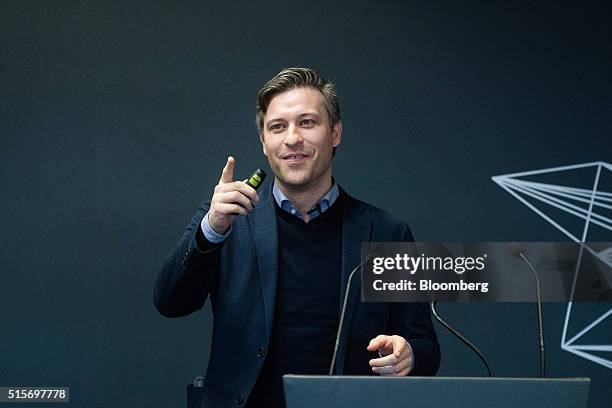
(116, 118)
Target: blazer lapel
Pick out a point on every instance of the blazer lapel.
(356, 228)
(265, 234)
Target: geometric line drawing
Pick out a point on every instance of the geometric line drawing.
(606, 256)
(585, 204)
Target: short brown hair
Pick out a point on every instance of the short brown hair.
(290, 78)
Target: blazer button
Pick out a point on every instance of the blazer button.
(261, 352)
(239, 400)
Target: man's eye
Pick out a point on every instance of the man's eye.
(308, 122)
(276, 126)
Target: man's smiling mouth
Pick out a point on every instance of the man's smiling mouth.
(296, 157)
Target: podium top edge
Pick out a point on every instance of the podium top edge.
(377, 378)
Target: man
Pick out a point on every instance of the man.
(276, 265)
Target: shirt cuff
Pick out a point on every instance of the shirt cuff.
(210, 234)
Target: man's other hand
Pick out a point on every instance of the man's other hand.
(396, 356)
(231, 198)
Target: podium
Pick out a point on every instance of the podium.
(306, 391)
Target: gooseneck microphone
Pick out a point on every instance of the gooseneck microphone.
(343, 310)
(518, 251)
(465, 341)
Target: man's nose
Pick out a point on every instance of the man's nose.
(293, 136)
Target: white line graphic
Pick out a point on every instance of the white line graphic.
(585, 204)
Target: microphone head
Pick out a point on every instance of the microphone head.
(370, 256)
(516, 248)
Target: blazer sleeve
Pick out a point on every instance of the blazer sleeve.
(412, 320)
(189, 274)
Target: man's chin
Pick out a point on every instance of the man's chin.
(297, 183)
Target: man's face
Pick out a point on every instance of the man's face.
(298, 140)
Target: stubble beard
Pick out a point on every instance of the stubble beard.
(301, 181)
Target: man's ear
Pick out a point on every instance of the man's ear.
(337, 133)
(263, 145)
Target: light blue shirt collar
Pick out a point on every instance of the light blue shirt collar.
(328, 199)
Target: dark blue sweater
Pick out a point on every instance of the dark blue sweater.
(307, 302)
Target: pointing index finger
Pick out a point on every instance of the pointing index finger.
(377, 342)
(227, 175)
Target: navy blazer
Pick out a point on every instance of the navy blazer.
(240, 276)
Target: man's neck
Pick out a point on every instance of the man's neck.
(305, 199)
